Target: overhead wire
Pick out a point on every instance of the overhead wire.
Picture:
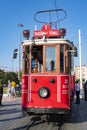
(57, 13)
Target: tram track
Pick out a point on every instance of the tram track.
(42, 122)
(31, 122)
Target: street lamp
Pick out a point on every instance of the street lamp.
(80, 57)
(20, 26)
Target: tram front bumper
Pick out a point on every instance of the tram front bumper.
(46, 110)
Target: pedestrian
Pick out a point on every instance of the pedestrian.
(9, 89)
(18, 89)
(77, 90)
(1, 93)
(85, 90)
(13, 85)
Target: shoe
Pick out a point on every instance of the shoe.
(78, 102)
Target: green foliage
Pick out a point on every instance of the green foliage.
(5, 76)
(83, 80)
(4, 89)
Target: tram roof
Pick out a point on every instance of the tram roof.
(51, 41)
(48, 41)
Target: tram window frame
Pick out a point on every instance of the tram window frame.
(62, 59)
(26, 59)
(65, 63)
(68, 60)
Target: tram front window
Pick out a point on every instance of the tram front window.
(50, 58)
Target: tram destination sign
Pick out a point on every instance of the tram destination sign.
(48, 32)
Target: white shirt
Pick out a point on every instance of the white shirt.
(9, 85)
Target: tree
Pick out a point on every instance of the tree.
(1, 74)
(9, 76)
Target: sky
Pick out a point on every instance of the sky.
(14, 12)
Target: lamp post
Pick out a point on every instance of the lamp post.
(20, 26)
(12, 65)
(80, 57)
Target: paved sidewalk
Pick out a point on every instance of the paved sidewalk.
(6, 98)
(82, 109)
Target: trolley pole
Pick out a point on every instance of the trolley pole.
(20, 26)
(80, 58)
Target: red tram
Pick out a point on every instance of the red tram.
(47, 75)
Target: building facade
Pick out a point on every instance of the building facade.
(83, 70)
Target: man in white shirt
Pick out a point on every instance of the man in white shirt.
(77, 90)
(9, 88)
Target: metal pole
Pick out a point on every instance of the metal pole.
(19, 25)
(12, 66)
(80, 58)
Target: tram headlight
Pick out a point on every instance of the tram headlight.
(52, 80)
(44, 92)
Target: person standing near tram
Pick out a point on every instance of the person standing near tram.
(13, 85)
(85, 90)
(1, 93)
(77, 90)
(9, 88)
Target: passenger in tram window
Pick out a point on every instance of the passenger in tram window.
(34, 65)
(52, 65)
(40, 67)
(1, 93)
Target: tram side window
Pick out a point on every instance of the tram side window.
(50, 58)
(26, 62)
(61, 58)
(68, 60)
(27, 59)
